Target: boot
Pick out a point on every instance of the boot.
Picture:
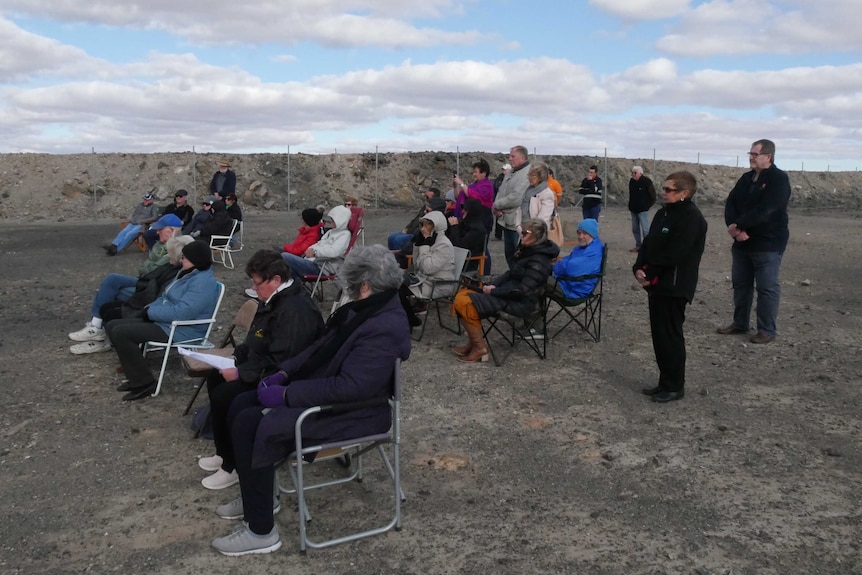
(479, 351)
(462, 350)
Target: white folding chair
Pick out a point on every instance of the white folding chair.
(196, 343)
(226, 246)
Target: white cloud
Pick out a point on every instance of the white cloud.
(24, 55)
(642, 9)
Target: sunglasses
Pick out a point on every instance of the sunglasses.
(525, 233)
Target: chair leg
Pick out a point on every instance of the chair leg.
(162, 372)
(195, 396)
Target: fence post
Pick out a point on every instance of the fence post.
(93, 180)
(376, 176)
(288, 178)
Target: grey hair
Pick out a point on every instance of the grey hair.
(175, 247)
(537, 227)
(373, 265)
(541, 170)
(638, 169)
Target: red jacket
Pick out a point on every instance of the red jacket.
(307, 237)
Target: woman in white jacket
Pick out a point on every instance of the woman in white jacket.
(433, 259)
(329, 252)
(539, 199)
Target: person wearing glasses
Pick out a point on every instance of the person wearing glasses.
(516, 292)
(667, 268)
(641, 199)
(756, 216)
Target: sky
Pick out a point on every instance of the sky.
(684, 80)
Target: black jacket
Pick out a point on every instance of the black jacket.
(670, 254)
(470, 232)
(518, 290)
(149, 286)
(281, 329)
(592, 187)
(759, 207)
(185, 212)
(641, 194)
(220, 224)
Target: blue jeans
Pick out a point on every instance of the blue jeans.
(126, 235)
(640, 226)
(300, 266)
(398, 240)
(511, 239)
(592, 212)
(113, 287)
(760, 269)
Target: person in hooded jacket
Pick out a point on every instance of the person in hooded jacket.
(516, 292)
(191, 296)
(308, 234)
(433, 259)
(327, 254)
(286, 322)
(219, 224)
(470, 232)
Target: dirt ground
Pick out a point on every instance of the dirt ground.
(555, 466)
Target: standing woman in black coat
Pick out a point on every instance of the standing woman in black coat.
(516, 292)
(470, 232)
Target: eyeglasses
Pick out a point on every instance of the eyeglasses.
(525, 233)
(348, 205)
(257, 283)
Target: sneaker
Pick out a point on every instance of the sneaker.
(90, 347)
(210, 463)
(536, 334)
(251, 292)
(233, 509)
(89, 333)
(221, 479)
(244, 542)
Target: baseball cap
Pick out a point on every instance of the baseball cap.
(149, 197)
(168, 220)
(209, 200)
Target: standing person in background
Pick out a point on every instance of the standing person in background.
(641, 199)
(223, 182)
(591, 189)
(667, 268)
(143, 215)
(756, 216)
(481, 189)
(555, 187)
(508, 202)
(498, 181)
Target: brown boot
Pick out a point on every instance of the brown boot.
(462, 350)
(479, 352)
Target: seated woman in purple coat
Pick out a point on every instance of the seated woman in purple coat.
(352, 361)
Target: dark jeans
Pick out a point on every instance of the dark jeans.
(511, 239)
(221, 394)
(666, 316)
(750, 269)
(127, 335)
(592, 212)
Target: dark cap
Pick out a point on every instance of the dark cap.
(199, 254)
(311, 217)
(209, 200)
(181, 194)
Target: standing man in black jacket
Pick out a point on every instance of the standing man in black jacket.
(756, 216)
(667, 268)
(223, 182)
(641, 199)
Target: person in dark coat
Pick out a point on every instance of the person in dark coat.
(667, 268)
(470, 232)
(641, 199)
(201, 217)
(223, 182)
(517, 291)
(352, 361)
(220, 224)
(286, 322)
(179, 208)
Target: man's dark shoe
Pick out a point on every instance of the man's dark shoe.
(110, 249)
(761, 337)
(651, 390)
(635, 249)
(730, 330)
(137, 393)
(665, 396)
(125, 386)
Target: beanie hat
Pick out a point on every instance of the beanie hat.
(437, 204)
(590, 226)
(199, 254)
(311, 217)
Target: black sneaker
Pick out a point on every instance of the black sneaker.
(140, 392)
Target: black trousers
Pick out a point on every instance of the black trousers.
(222, 393)
(127, 335)
(256, 485)
(666, 316)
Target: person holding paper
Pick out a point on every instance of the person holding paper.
(286, 322)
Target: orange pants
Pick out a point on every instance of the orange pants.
(465, 309)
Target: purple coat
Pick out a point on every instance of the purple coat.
(361, 369)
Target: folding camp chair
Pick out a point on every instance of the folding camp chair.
(197, 343)
(352, 450)
(197, 368)
(514, 330)
(139, 241)
(443, 291)
(226, 246)
(586, 312)
(316, 280)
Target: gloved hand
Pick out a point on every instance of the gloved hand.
(277, 378)
(271, 396)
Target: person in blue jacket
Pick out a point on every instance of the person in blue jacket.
(585, 259)
(192, 295)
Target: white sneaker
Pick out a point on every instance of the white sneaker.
(89, 333)
(221, 479)
(233, 509)
(90, 347)
(244, 542)
(210, 463)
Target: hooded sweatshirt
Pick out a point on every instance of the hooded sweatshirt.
(433, 257)
(329, 252)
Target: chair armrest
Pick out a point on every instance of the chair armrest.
(192, 321)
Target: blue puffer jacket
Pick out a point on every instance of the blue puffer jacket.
(581, 262)
(193, 296)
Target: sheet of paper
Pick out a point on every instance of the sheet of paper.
(216, 361)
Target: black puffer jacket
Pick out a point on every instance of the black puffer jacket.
(220, 224)
(149, 287)
(470, 232)
(518, 290)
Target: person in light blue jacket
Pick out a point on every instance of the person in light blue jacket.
(585, 259)
(192, 295)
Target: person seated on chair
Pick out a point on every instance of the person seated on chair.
(119, 287)
(327, 254)
(309, 233)
(232, 208)
(179, 208)
(397, 240)
(432, 205)
(219, 224)
(585, 259)
(193, 295)
(286, 322)
(449, 211)
(201, 217)
(433, 259)
(144, 214)
(516, 292)
(352, 361)
(470, 232)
